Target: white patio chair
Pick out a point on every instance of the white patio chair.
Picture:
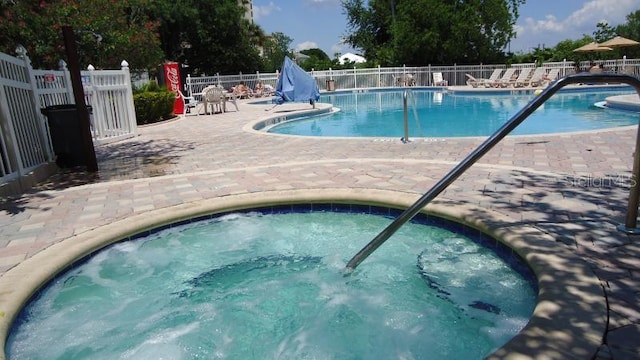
(190, 104)
(229, 97)
(213, 96)
(438, 80)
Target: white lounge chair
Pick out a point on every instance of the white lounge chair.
(523, 77)
(537, 77)
(438, 80)
(551, 77)
(491, 81)
(505, 80)
(473, 82)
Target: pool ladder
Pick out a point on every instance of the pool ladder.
(630, 225)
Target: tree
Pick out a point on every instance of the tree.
(631, 30)
(603, 32)
(421, 32)
(318, 60)
(107, 32)
(210, 36)
(275, 49)
(369, 29)
(564, 49)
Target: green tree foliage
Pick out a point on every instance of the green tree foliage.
(210, 36)
(274, 51)
(317, 60)
(419, 32)
(603, 32)
(630, 30)
(124, 30)
(564, 49)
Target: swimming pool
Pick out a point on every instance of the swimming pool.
(269, 284)
(433, 113)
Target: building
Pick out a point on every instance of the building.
(248, 9)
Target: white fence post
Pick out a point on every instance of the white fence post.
(41, 126)
(355, 78)
(133, 123)
(67, 80)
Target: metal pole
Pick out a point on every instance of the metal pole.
(489, 143)
(405, 139)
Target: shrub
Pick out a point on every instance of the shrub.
(153, 104)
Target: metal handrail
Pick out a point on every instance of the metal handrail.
(475, 155)
(405, 95)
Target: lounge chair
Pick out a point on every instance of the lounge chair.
(505, 80)
(537, 77)
(438, 80)
(523, 77)
(491, 81)
(551, 77)
(473, 82)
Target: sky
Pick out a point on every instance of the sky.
(321, 23)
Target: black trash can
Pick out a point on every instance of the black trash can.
(66, 135)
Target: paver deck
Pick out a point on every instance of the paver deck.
(571, 187)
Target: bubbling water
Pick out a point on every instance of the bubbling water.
(250, 285)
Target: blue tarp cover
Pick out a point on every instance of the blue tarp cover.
(295, 84)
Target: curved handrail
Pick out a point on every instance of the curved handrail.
(475, 155)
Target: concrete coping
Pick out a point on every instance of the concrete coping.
(624, 102)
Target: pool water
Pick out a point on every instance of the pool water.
(437, 114)
(263, 286)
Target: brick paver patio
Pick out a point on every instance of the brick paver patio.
(572, 187)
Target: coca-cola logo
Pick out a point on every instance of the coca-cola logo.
(173, 80)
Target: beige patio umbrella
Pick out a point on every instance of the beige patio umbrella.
(592, 47)
(619, 41)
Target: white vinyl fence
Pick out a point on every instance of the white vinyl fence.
(383, 77)
(25, 142)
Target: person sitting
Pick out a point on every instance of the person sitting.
(259, 91)
(241, 90)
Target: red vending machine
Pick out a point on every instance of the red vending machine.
(173, 81)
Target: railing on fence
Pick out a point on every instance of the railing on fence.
(23, 136)
(396, 76)
(110, 95)
(25, 142)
